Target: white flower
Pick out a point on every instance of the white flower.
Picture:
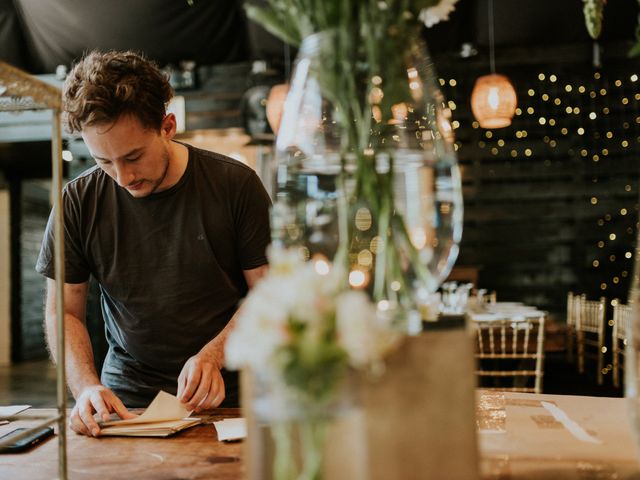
(295, 305)
(438, 13)
(364, 335)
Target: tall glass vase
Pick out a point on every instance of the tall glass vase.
(300, 434)
(367, 174)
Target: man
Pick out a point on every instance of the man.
(174, 236)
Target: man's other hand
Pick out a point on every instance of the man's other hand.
(200, 384)
(96, 399)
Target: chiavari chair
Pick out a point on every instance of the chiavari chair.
(622, 318)
(590, 325)
(509, 349)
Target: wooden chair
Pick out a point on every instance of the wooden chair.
(572, 315)
(622, 318)
(511, 349)
(590, 325)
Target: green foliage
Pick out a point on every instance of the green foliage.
(293, 20)
(313, 363)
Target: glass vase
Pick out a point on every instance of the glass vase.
(367, 174)
(301, 430)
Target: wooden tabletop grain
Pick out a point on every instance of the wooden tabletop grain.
(192, 454)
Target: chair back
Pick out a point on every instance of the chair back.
(591, 314)
(513, 350)
(622, 318)
(590, 326)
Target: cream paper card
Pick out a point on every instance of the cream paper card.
(165, 416)
(231, 429)
(11, 410)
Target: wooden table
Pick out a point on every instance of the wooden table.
(518, 439)
(192, 454)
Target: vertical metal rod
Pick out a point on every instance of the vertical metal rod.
(492, 55)
(287, 62)
(56, 185)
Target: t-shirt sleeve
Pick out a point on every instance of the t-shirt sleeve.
(76, 266)
(252, 223)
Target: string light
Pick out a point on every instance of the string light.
(566, 117)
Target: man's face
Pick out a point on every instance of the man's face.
(137, 158)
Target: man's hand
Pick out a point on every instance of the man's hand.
(95, 399)
(200, 384)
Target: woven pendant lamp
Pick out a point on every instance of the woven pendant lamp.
(493, 99)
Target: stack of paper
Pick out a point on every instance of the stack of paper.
(9, 411)
(165, 416)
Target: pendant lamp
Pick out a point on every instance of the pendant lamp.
(493, 99)
(275, 105)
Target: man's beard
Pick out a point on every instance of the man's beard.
(155, 184)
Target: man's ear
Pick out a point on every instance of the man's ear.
(168, 127)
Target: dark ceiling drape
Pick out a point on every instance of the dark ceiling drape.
(38, 35)
(58, 31)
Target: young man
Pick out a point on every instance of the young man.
(174, 236)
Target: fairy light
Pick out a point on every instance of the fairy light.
(357, 278)
(578, 124)
(321, 266)
(365, 258)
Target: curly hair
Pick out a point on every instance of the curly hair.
(105, 85)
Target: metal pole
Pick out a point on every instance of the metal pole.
(56, 185)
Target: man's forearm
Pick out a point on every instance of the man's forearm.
(80, 368)
(215, 347)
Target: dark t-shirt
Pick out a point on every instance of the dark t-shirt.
(170, 265)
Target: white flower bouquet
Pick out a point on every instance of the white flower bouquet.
(302, 327)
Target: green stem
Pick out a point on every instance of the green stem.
(284, 461)
(313, 433)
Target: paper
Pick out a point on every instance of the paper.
(165, 416)
(11, 410)
(574, 428)
(231, 429)
(164, 407)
